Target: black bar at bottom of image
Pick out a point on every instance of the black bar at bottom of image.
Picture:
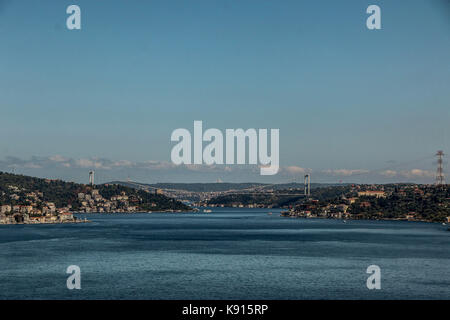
(221, 309)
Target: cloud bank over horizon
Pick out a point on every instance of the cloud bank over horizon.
(151, 171)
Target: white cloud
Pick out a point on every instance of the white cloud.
(167, 171)
(417, 173)
(345, 172)
(155, 165)
(84, 163)
(295, 170)
(389, 173)
(410, 174)
(92, 163)
(58, 158)
(31, 165)
(123, 163)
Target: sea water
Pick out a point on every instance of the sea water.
(225, 254)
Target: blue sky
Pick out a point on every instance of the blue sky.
(343, 97)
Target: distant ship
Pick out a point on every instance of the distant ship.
(207, 210)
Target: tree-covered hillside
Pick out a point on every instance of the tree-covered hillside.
(18, 191)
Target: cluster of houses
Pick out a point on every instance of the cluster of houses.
(29, 214)
(23, 206)
(313, 209)
(361, 198)
(33, 209)
(233, 205)
(93, 202)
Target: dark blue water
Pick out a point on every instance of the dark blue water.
(227, 254)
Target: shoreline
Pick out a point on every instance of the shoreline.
(77, 221)
(352, 219)
(56, 222)
(34, 222)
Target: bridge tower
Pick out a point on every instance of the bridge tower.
(307, 185)
(440, 170)
(91, 177)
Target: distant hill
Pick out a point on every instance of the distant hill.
(220, 187)
(393, 201)
(280, 196)
(296, 185)
(19, 191)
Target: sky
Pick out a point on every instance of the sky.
(352, 104)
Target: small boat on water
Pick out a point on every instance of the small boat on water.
(270, 213)
(207, 210)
